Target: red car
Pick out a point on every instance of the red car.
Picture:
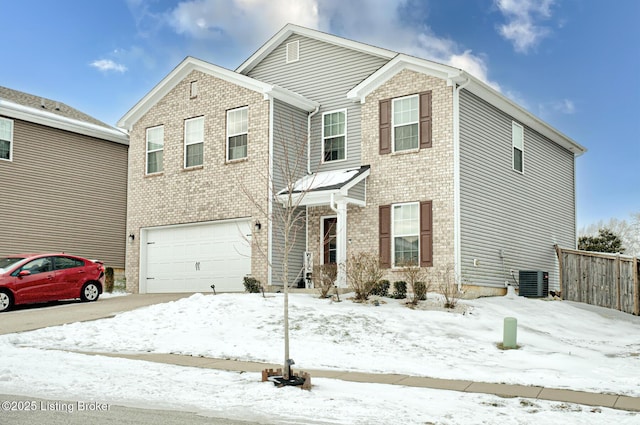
(36, 278)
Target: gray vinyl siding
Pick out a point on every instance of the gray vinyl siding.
(64, 192)
(521, 215)
(289, 141)
(324, 73)
(358, 191)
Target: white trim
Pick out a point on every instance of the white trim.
(292, 98)
(518, 113)
(393, 233)
(190, 64)
(322, 219)
(11, 125)
(229, 135)
(322, 160)
(399, 63)
(475, 86)
(201, 118)
(147, 151)
(49, 119)
(393, 124)
(291, 29)
(323, 197)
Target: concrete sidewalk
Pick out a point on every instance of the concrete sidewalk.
(613, 401)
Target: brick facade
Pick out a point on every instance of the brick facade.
(213, 191)
(412, 176)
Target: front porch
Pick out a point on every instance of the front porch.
(334, 190)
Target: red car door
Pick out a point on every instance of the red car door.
(71, 274)
(35, 281)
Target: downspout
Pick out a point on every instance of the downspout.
(315, 111)
(456, 181)
(270, 196)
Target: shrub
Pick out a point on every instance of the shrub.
(108, 279)
(447, 286)
(381, 288)
(324, 278)
(252, 285)
(420, 290)
(417, 281)
(363, 272)
(399, 289)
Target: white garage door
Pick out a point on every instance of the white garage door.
(191, 258)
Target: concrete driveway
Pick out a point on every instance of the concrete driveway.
(36, 316)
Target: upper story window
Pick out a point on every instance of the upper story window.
(193, 89)
(405, 123)
(193, 142)
(517, 140)
(334, 136)
(237, 131)
(6, 139)
(155, 147)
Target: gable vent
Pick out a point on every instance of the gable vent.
(293, 51)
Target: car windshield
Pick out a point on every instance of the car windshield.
(6, 262)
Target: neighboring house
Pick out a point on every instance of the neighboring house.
(408, 159)
(64, 180)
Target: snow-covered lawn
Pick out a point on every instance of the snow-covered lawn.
(563, 345)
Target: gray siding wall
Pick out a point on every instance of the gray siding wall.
(64, 192)
(324, 73)
(521, 215)
(289, 164)
(358, 191)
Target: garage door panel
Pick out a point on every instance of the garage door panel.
(192, 258)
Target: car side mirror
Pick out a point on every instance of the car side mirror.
(24, 273)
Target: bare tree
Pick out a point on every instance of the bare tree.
(286, 187)
(447, 286)
(627, 230)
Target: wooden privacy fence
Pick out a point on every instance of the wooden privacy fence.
(605, 280)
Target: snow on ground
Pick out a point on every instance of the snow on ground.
(563, 345)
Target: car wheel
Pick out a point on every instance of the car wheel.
(90, 292)
(6, 302)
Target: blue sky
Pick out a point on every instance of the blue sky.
(573, 63)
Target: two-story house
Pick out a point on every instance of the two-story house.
(64, 180)
(378, 151)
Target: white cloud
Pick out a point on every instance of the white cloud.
(377, 22)
(246, 21)
(522, 28)
(107, 65)
(564, 106)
